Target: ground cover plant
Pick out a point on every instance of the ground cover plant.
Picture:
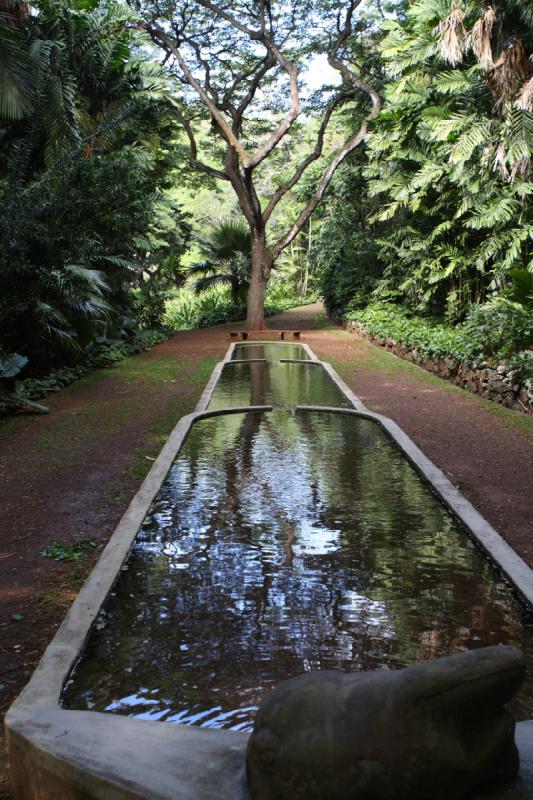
(495, 331)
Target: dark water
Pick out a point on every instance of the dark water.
(278, 384)
(272, 351)
(281, 543)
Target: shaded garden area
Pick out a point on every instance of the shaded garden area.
(169, 168)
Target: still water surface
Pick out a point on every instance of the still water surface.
(279, 543)
(278, 384)
(272, 351)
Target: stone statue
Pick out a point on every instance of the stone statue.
(432, 731)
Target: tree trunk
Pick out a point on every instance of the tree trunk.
(261, 266)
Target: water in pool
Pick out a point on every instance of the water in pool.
(275, 383)
(283, 542)
(271, 351)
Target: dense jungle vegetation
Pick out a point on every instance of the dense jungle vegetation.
(113, 232)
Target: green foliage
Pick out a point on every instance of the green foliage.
(521, 291)
(11, 365)
(345, 250)
(187, 310)
(437, 215)
(496, 331)
(60, 551)
(18, 394)
(11, 396)
(449, 161)
(227, 253)
(89, 238)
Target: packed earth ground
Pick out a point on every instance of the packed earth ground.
(68, 476)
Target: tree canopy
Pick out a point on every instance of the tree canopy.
(374, 152)
(241, 64)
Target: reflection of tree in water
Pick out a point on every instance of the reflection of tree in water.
(280, 543)
(281, 384)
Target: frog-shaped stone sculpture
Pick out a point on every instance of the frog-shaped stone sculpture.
(431, 731)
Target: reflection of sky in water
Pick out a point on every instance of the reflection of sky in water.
(316, 541)
(282, 543)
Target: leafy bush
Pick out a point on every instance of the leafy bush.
(22, 393)
(497, 330)
(185, 310)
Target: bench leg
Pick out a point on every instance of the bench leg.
(244, 336)
(296, 334)
(282, 335)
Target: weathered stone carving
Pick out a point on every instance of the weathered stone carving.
(433, 731)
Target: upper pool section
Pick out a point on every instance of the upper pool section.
(271, 351)
(277, 384)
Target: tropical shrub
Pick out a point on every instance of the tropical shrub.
(450, 156)
(497, 331)
(227, 260)
(18, 393)
(185, 309)
(83, 176)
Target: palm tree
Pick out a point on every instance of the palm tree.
(16, 80)
(227, 251)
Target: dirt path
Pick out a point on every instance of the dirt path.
(69, 475)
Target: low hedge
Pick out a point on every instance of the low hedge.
(495, 332)
(23, 394)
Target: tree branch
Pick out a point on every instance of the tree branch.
(292, 71)
(193, 158)
(350, 145)
(219, 118)
(286, 65)
(313, 156)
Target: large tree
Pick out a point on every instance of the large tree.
(241, 64)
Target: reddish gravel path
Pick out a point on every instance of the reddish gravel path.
(70, 474)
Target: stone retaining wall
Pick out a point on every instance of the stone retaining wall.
(497, 382)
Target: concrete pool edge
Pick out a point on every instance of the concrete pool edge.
(84, 754)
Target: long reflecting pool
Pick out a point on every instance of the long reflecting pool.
(283, 542)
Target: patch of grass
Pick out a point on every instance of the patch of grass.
(372, 357)
(53, 602)
(11, 425)
(143, 457)
(148, 368)
(201, 372)
(321, 322)
(514, 420)
(61, 551)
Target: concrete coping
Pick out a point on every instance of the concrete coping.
(246, 361)
(248, 343)
(305, 361)
(81, 755)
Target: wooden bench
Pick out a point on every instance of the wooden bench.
(244, 334)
